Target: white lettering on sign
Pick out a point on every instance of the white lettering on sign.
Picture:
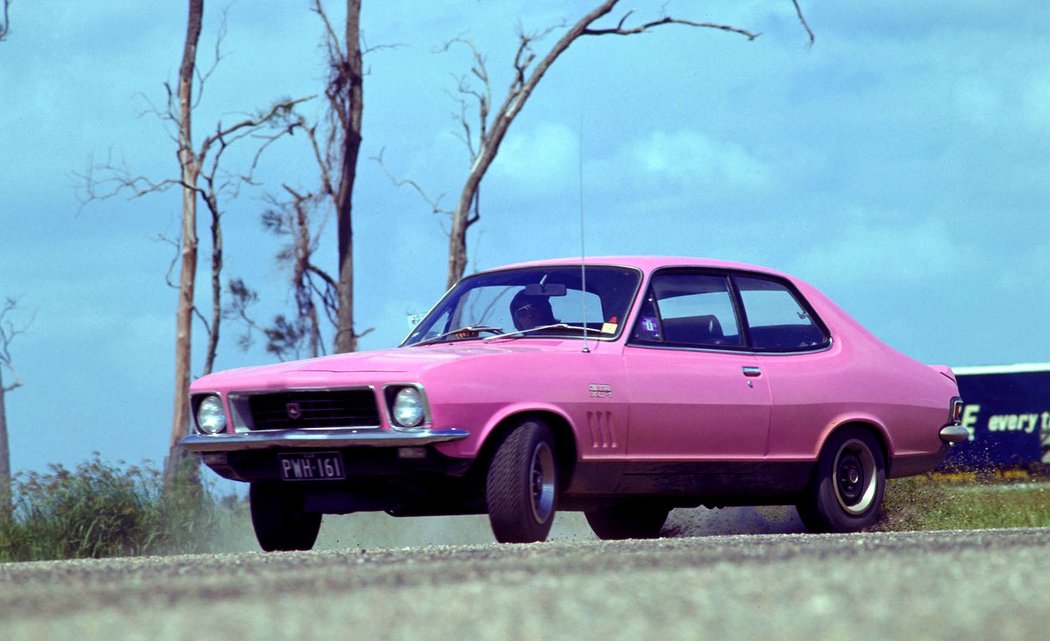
(1026, 423)
(969, 418)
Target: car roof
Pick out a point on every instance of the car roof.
(648, 263)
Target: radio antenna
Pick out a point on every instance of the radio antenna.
(583, 247)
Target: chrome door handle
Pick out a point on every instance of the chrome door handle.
(751, 371)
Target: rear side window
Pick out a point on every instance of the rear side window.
(777, 319)
(689, 310)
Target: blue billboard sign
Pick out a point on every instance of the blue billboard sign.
(1007, 413)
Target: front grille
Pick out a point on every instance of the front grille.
(299, 410)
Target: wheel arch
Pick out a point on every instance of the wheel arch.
(869, 425)
(565, 448)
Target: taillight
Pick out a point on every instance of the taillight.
(955, 411)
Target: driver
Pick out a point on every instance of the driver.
(531, 311)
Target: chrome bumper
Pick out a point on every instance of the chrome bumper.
(954, 433)
(270, 439)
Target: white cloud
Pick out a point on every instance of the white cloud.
(892, 250)
(978, 102)
(1036, 101)
(694, 159)
(541, 160)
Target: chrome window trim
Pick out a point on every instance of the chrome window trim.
(730, 274)
(742, 351)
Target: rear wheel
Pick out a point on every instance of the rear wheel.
(627, 521)
(522, 485)
(846, 490)
(279, 520)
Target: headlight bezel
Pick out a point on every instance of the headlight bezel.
(400, 395)
(216, 420)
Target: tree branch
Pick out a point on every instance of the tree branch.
(528, 72)
(8, 332)
(174, 259)
(433, 203)
(805, 24)
(621, 30)
(202, 77)
(335, 51)
(5, 23)
(280, 109)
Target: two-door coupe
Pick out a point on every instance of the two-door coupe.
(623, 387)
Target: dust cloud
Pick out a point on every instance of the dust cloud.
(378, 530)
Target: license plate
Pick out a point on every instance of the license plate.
(319, 466)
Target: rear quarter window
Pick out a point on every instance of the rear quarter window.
(777, 318)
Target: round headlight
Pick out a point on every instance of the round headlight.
(408, 407)
(211, 418)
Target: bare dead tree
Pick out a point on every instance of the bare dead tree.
(8, 332)
(5, 22)
(314, 290)
(338, 162)
(202, 177)
(492, 123)
(190, 169)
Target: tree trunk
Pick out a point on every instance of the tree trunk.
(351, 106)
(461, 221)
(216, 287)
(303, 296)
(5, 459)
(190, 169)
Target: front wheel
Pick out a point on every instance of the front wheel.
(848, 483)
(279, 520)
(522, 485)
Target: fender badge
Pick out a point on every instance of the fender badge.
(600, 391)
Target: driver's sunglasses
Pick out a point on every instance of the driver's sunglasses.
(524, 309)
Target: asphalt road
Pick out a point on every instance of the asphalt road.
(947, 585)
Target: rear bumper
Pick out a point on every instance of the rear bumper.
(954, 433)
(320, 438)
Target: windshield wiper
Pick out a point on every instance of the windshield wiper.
(522, 332)
(469, 328)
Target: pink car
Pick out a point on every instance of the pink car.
(623, 388)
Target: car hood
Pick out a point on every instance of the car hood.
(406, 363)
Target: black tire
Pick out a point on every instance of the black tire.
(848, 483)
(279, 520)
(627, 521)
(521, 487)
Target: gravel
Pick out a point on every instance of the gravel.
(942, 585)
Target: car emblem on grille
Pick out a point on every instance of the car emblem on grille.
(293, 410)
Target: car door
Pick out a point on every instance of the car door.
(697, 393)
(794, 350)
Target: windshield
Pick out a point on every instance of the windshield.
(532, 302)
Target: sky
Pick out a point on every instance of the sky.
(901, 164)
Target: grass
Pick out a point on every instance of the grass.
(965, 502)
(102, 510)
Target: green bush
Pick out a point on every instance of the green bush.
(101, 510)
